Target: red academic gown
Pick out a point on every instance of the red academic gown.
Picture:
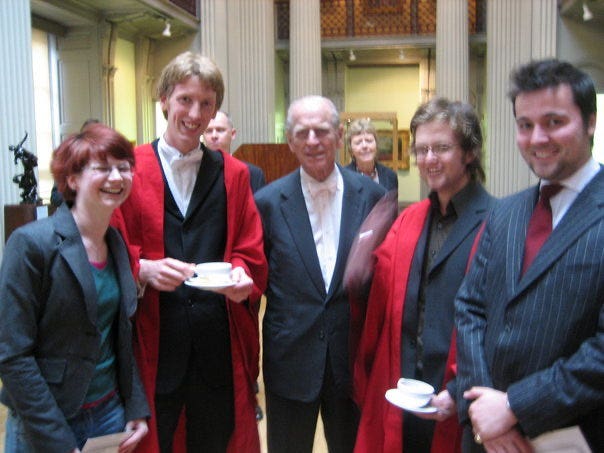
(141, 217)
(377, 366)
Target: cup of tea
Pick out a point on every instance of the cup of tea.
(215, 272)
(418, 393)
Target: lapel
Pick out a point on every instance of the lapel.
(588, 207)
(72, 250)
(293, 209)
(117, 251)
(517, 229)
(209, 170)
(350, 222)
(167, 199)
(467, 221)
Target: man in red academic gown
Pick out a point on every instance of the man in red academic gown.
(408, 329)
(197, 349)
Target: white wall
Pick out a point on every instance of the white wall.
(43, 103)
(124, 86)
(388, 89)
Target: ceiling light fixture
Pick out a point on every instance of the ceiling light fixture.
(167, 29)
(587, 15)
(352, 56)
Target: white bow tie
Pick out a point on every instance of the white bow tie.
(315, 188)
(190, 158)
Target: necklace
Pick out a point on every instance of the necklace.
(372, 174)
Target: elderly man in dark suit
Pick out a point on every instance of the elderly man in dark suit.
(530, 320)
(310, 218)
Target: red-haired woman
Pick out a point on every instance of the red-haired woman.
(66, 298)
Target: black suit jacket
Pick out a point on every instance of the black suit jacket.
(388, 178)
(49, 341)
(194, 327)
(257, 179)
(444, 277)
(538, 336)
(303, 323)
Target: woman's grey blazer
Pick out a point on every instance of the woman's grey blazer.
(49, 340)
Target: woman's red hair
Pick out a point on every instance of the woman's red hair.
(95, 141)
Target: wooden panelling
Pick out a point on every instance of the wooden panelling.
(275, 159)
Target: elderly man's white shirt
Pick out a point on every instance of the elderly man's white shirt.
(324, 205)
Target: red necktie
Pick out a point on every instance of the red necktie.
(540, 225)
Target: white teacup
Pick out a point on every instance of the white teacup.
(213, 272)
(416, 392)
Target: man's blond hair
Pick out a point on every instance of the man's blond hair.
(189, 64)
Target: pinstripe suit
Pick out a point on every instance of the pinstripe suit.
(539, 337)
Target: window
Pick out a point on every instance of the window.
(43, 49)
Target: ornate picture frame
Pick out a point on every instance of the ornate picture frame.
(385, 150)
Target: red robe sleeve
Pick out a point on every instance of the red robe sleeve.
(245, 248)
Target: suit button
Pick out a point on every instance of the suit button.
(190, 302)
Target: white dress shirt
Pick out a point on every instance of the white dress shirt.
(324, 205)
(181, 171)
(571, 187)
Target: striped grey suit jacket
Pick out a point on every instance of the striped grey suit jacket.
(539, 336)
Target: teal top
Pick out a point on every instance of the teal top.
(104, 379)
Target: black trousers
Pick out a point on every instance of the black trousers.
(417, 434)
(209, 412)
(291, 424)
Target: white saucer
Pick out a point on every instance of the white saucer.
(208, 284)
(399, 399)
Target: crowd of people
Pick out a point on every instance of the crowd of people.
(497, 304)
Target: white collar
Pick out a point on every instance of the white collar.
(334, 180)
(579, 179)
(172, 154)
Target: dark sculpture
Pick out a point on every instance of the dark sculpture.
(26, 180)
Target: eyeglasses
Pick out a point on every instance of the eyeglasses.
(438, 149)
(106, 170)
(303, 134)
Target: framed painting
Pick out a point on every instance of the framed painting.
(385, 148)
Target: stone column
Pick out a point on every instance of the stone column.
(452, 49)
(517, 31)
(17, 93)
(145, 107)
(304, 48)
(215, 35)
(242, 43)
(109, 34)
